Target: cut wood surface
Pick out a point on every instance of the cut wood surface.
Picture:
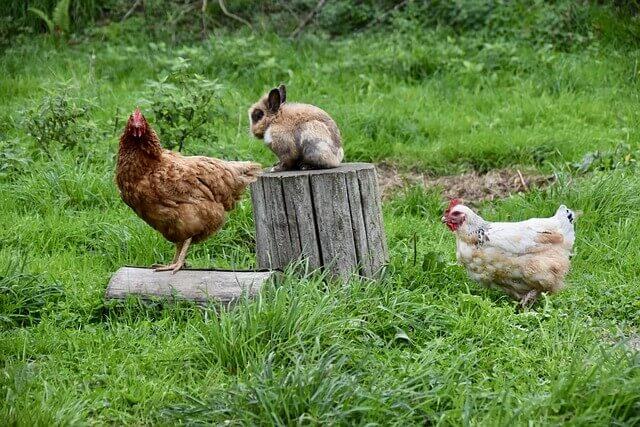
(224, 286)
(332, 218)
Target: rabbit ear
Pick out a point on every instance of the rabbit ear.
(274, 100)
(283, 93)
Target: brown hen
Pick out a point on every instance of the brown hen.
(184, 198)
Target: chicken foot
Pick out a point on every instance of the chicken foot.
(179, 258)
(175, 257)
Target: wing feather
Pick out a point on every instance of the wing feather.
(198, 178)
(519, 238)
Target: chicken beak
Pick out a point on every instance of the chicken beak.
(443, 220)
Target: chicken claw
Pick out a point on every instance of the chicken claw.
(174, 268)
(178, 260)
(154, 266)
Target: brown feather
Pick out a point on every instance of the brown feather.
(181, 197)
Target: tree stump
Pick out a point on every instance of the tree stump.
(332, 218)
(224, 286)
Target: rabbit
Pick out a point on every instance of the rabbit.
(302, 136)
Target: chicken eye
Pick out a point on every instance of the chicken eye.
(257, 115)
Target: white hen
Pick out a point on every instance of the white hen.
(521, 258)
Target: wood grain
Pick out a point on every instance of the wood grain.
(332, 218)
(224, 286)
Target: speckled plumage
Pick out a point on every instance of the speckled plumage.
(521, 258)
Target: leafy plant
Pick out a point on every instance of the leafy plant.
(59, 20)
(59, 119)
(13, 158)
(623, 156)
(184, 105)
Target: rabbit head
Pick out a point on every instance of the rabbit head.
(262, 113)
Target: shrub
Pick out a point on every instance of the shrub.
(184, 105)
(563, 23)
(61, 120)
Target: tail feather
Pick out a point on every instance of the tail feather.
(243, 174)
(566, 217)
(247, 172)
(565, 212)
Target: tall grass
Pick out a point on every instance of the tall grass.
(424, 345)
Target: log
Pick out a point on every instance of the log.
(224, 286)
(330, 218)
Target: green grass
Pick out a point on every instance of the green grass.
(425, 345)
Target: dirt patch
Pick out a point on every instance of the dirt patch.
(634, 342)
(472, 186)
(630, 340)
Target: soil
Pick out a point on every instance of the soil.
(634, 342)
(631, 340)
(471, 186)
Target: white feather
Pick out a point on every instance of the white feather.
(517, 256)
(523, 237)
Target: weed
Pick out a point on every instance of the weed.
(59, 21)
(13, 158)
(623, 156)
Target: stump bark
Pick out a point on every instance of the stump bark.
(332, 218)
(223, 286)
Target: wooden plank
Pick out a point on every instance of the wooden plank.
(224, 286)
(372, 209)
(333, 219)
(278, 223)
(262, 226)
(297, 196)
(357, 222)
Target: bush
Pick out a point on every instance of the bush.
(59, 120)
(184, 105)
(563, 23)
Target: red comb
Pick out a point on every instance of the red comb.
(137, 115)
(452, 203)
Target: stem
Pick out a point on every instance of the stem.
(232, 16)
(308, 19)
(415, 249)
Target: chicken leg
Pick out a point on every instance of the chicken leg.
(179, 258)
(175, 257)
